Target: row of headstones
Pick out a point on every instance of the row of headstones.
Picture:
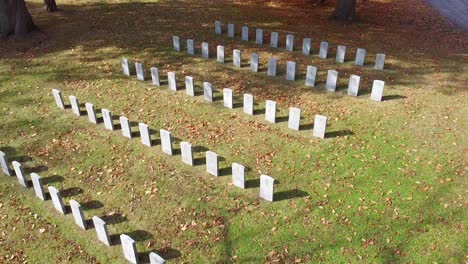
(128, 244)
(311, 74)
(248, 99)
(306, 45)
(212, 159)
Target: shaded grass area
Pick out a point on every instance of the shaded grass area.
(389, 191)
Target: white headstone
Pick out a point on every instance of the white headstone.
(310, 76)
(306, 46)
(166, 141)
(218, 28)
(56, 199)
(360, 57)
(245, 33)
(171, 81)
(294, 118)
(4, 163)
(254, 62)
(320, 125)
(248, 104)
(205, 50)
(272, 67)
(267, 187)
(290, 71)
(332, 78)
(220, 53)
(139, 71)
(129, 249)
(125, 67)
(107, 116)
(190, 47)
(155, 258)
(270, 111)
(377, 90)
(259, 36)
(20, 173)
(274, 40)
(176, 43)
(212, 163)
(145, 134)
(189, 88)
(187, 153)
(155, 76)
(231, 30)
(101, 230)
(379, 61)
(77, 213)
(227, 98)
(75, 105)
(58, 98)
(323, 50)
(91, 113)
(208, 91)
(38, 187)
(126, 128)
(340, 53)
(238, 175)
(289, 42)
(236, 58)
(353, 86)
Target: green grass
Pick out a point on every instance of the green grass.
(387, 187)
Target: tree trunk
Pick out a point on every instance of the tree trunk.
(50, 5)
(15, 18)
(345, 10)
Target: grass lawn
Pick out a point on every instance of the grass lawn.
(387, 185)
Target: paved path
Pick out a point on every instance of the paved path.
(455, 10)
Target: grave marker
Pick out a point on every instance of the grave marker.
(353, 86)
(248, 104)
(220, 53)
(57, 199)
(166, 141)
(212, 163)
(208, 91)
(91, 113)
(145, 134)
(187, 153)
(270, 111)
(155, 76)
(238, 175)
(58, 98)
(379, 61)
(245, 33)
(236, 60)
(290, 71)
(294, 118)
(171, 81)
(360, 57)
(107, 116)
(4, 163)
(254, 62)
(306, 46)
(77, 213)
(267, 187)
(274, 40)
(310, 76)
(377, 90)
(340, 53)
(189, 88)
(259, 36)
(289, 42)
(227, 98)
(323, 50)
(129, 249)
(101, 230)
(218, 28)
(38, 187)
(126, 128)
(75, 105)
(205, 50)
(190, 47)
(231, 30)
(20, 173)
(332, 78)
(176, 43)
(125, 67)
(320, 125)
(272, 67)
(155, 258)
(139, 71)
